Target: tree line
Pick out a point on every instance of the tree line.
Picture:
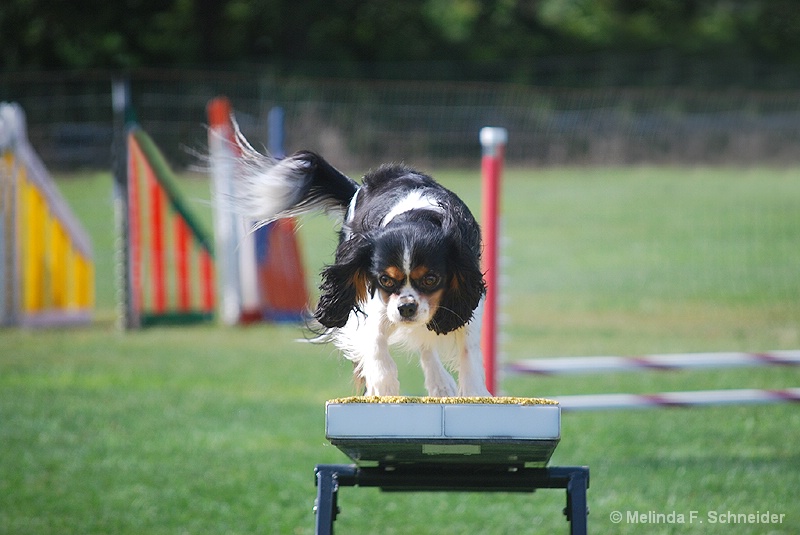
(130, 34)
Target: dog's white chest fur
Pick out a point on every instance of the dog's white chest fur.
(458, 350)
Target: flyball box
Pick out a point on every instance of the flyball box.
(390, 431)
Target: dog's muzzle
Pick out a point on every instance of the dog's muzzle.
(407, 307)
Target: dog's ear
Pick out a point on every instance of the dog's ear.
(345, 283)
(463, 291)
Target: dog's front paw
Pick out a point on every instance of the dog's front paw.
(442, 392)
(386, 386)
(477, 390)
(443, 387)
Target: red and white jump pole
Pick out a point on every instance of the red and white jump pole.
(665, 362)
(703, 398)
(493, 143)
(677, 361)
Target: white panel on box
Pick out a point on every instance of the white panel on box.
(376, 420)
(502, 421)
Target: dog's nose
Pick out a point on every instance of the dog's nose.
(407, 307)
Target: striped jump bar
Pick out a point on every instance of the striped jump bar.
(679, 361)
(677, 399)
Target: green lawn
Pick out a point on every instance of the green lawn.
(212, 430)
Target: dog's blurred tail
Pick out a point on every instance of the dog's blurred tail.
(268, 189)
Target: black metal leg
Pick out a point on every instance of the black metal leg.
(325, 506)
(329, 477)
(576, 502)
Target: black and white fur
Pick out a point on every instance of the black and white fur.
(406, 270)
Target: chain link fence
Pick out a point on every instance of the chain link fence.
(359, 123)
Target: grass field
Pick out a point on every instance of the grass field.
(212, 430)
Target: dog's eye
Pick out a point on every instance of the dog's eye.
(431, 280)
(387, 282)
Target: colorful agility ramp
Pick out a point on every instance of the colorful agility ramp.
(260, 271)
(169, 257)
(46, 261)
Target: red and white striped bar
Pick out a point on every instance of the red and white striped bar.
(597, 402)
(679, 361)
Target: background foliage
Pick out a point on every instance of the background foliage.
(41, 34)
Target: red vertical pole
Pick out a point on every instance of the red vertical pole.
(182, 263)
(493, 142)
(157, 242)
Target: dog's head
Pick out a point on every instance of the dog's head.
(423, 272)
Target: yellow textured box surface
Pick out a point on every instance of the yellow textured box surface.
(445, 401)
